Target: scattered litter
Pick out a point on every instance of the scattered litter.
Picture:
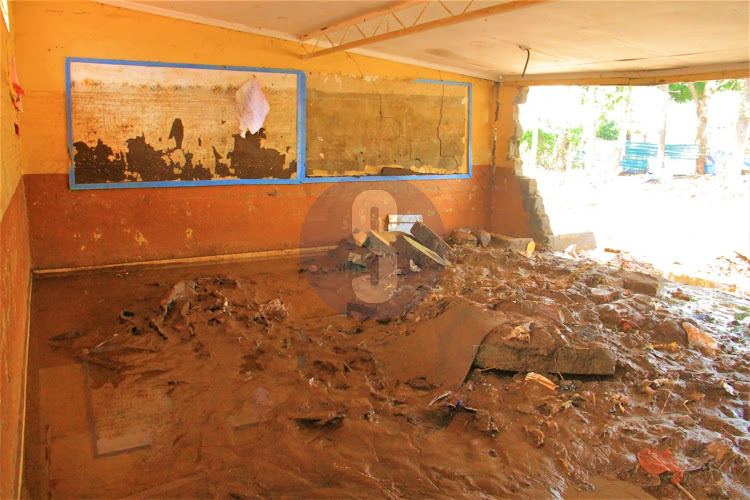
(727, 387)
(441, 396)
(273, 310)
(328, 422)
(64, 337)
(699, 338)
(658, 462)
(413, 267)
(542, 380)
(521, 333)
(671, 347)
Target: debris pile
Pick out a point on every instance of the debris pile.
(491, 370)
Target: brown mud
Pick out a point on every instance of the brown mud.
(237, 381)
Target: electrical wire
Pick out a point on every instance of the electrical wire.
(528, 56)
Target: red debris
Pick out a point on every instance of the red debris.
(658, 462)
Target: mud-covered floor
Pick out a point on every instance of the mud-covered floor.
(238, 381)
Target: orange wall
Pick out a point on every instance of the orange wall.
(81, 228)
(15, 264)
(48, 32)
(14, 286)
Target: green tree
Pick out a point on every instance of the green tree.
(700, 94)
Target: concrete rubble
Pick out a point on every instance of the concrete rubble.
(464, 237)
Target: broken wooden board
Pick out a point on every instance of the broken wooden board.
(440, 350)
(639, 282)
(402, 223)
(524, 246)
(430, 239)
(545, 356)
(381, 241)
(410, 249)
(582, 241)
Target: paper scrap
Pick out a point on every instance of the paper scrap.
(253, 106)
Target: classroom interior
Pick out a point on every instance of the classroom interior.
(183, 188)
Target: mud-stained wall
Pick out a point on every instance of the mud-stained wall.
(14, 285)
(157, 124)
(15, 264)
(372, 126)
(109, 226)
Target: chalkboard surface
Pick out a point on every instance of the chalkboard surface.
(370, 126)
(158, 124)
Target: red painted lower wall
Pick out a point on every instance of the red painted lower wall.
(508, 215)
(15, 264)
(95, 227)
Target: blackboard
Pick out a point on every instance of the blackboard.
(360, 126)
(146, 124)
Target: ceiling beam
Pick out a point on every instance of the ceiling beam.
(633, 78)
(362, 18)
(439, 23)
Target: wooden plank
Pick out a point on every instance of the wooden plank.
(209, 259)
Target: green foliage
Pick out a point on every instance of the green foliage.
(607, 130)
(680, 92)
(556, 150)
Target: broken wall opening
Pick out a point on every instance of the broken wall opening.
(623, 163)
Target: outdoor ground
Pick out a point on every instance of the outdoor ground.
(685, 227)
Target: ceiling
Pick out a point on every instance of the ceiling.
(567, 39)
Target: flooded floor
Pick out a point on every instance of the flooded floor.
(239, 381)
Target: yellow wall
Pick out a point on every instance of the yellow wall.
(10, 157)
(47, 32)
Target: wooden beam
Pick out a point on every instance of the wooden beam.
(635, 78)
(460, 18)
(362, 18)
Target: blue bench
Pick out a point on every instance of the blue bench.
(636, 156)
(682, 151)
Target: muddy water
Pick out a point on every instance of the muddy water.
(236, 381)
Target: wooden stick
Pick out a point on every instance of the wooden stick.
(682, 488)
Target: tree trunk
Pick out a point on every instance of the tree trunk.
(590, 129)
(624, 127)
(663, 127)
(741, 138)
(701, 110)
